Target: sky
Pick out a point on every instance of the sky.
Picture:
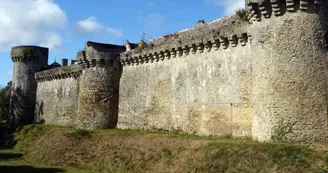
(65, 25)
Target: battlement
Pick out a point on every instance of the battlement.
(98, 54)
(228, 32)
(30, 53)
(73, 71)
(259, 9)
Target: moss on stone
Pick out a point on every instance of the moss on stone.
(25, 52)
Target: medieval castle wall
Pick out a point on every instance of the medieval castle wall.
(229, 77)
(58, 95)
(190, 82)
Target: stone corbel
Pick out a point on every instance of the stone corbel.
(290, 5)
(224, 42)
(93, 63)
(186, 50)
(81, 64)
(264, 11)
(179, 51)
(193, 48)
(173, 53)
(86, 63)
(135, 60)
(216, 44)
(317, 4)
(72, 74)
(253, 15)
(140, 59)
(161, 55)
(98, 63)
(156, 56)
(276, 7)
(243, 39)
(122, 62)
(167, 54)
(233, 40)
(304, 5)
(200, 47)
(251, 12)
(151, 57)
(145, 59)
(127, 62)
(208, 46)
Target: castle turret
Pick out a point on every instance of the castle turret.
(289, 69)
(27, 60)
(99, 86)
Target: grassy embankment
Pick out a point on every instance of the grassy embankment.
(139, 151)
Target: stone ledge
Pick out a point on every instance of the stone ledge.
(100, 59)
(98, 54)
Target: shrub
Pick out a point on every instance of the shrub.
(5, 101)
(281, 131)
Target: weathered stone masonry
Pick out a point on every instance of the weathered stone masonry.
(228, 77)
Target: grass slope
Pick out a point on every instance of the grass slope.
(138, 151)
(11, 162)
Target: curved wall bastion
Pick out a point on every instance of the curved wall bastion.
(261, 73)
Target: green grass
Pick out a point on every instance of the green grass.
(143, 151)
(10, 161)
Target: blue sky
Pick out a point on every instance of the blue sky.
(65, 25)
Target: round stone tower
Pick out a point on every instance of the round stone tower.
(99, 86)
(27, 60)
(290, 71)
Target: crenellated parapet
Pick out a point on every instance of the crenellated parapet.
(100, 60)
(226, 33)
(259, 9)
(73, 71)
(98, 55)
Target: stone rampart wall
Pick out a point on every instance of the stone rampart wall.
(230, 77)
(204, 92)
(57, 95)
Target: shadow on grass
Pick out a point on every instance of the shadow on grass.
(8, 156)
(6, 136)
(28, 169)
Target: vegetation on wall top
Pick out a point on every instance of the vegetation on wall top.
(25, 52)
(242, 14)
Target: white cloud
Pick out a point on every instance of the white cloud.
(9, 73)
(52, 40)
(30, 22)
(230, 6)
(115, 32)
(152, 4)
(152, 20)
(92, 26)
